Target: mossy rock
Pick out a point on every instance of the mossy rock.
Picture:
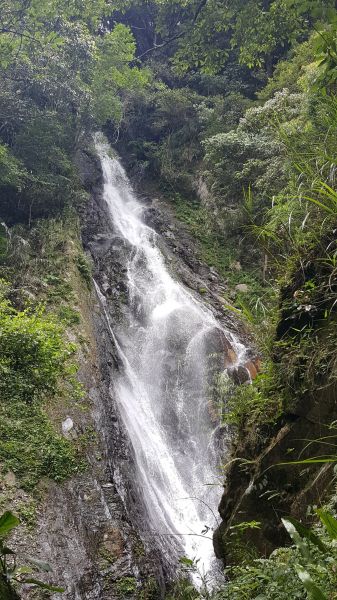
(126, 586)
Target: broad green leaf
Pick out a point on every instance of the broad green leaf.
(186, 561)
(313, 590)
(329, 522)
(44, 586)
(308, 534)
(6, 550)
(8, 521)
(24, 570)
(297, 539)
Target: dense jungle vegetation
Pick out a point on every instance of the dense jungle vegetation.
(230, 106)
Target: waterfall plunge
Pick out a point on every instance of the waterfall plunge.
(162, 389)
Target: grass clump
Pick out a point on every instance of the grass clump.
(247, 405)
(69, 316)
(183, 589)
(31, 447)
(84, 269)
(266, 579)
(221, 252)
(150, 590)
(33, 355)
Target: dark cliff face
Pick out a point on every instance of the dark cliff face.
(266, 489)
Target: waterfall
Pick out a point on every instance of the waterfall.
(162, 388)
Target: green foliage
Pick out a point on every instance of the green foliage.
(8, 521)
(11, 171)
(247, 406)
(85, 269)
(69, 315)
(183, 590)
(32, 448)
(213, 250)
(326, 54)
(33, 355)
(149, 590)
(168, 144)
(292, 73)
(305, 570)
(112, 74)
(58, 77)
(205, 35)
(329, 522)
(261, 34)
(251, 156)
(126, 586)
(33, 360)
(272, 579)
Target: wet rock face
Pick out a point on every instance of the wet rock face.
(88, 164)
(268, 488)
(87, 527)
(239, 374)
(180, 249)
(217, 343)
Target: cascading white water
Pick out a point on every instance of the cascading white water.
(162, 389)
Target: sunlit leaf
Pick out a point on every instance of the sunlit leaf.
(313, 590)
(8, 521)
(329, 522)
(306, 533)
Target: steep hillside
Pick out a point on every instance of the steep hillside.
(225, 117)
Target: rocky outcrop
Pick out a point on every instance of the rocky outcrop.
(84, 529)
(262, 486)
(265, 481)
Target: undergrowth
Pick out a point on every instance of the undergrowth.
(37, 363)
(35, 366)
(223, 254)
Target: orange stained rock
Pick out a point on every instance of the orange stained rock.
(253, 367)
(230, 358)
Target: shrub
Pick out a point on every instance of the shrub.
(33, 359)
(33, 354)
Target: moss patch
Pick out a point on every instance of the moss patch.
(126, 586)
(31, 447)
